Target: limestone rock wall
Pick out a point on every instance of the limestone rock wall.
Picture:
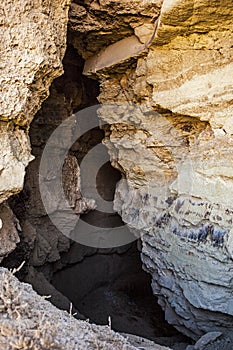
(9, 231)
(33, 43)
(172, 57)
(177, 163)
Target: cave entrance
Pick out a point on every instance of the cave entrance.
(109, 286)
(104, 285)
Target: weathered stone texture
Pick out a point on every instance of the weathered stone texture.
(33, 41)
(33, 44)
(178, 164)
(15, 155)
(96, 24)
(198, 36)
(8, 231)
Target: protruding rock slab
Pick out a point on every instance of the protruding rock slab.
(206, 339)
(114, 54)
(15, 156)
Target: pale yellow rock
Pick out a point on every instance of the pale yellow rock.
(15, 155)
(33, 43)
(190, 66)
(114, 54)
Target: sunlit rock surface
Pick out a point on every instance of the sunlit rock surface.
(33, 44)
(177, 160)
(178, 163)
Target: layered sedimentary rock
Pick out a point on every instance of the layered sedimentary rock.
(177, 163)
(174, 60)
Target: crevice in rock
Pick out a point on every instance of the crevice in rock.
(101, 283)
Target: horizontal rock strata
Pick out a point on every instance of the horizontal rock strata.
(176, 157)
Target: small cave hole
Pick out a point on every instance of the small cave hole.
(106, 181)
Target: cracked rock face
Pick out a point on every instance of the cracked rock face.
(33, 44)
(177, 163)
(177, 160)
(15, 156)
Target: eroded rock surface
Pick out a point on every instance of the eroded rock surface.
(177, 163)
(9, 227)
(176, 158)
(33, 44)
(94, 25)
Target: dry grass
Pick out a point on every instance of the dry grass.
(27, 321)
(16, 331)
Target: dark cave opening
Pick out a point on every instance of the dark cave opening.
(111, 286)
(104, 285)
